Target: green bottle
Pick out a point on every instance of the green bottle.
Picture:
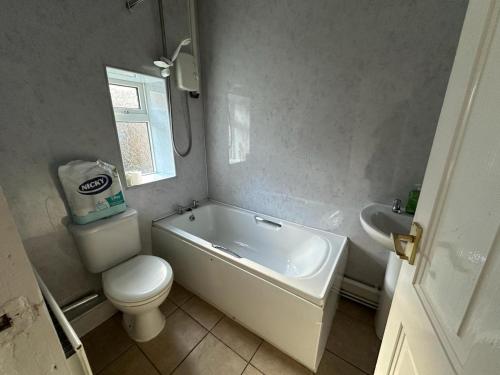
(411, 205)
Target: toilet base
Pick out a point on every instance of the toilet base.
(145, 326)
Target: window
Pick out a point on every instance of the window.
(141, 109)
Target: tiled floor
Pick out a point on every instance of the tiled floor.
(199, 339)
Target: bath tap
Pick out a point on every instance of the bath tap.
(180, 209)
(396, 206)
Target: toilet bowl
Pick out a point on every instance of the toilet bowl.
(135, 284)
(137, 288)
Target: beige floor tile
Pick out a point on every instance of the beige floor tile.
(179, 295)
(238, 338)
(106, 342)
(353, 341)
(167, 307)
(205, 314)
(271, 361)
(357, 311)
(211, 357)
(332, 365)
(250, 370)
(180, 335)
(132, 362)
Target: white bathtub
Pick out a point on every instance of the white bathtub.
(278, 279)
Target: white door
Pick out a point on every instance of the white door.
(28, 341)
(445, 317)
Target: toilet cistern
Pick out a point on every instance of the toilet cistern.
(135, 284)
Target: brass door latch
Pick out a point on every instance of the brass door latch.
(412, 240)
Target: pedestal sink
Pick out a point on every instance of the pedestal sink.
(379, 222)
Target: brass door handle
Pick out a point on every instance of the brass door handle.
(412, 241)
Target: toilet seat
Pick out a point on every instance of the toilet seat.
(139, 303)
(138, 280)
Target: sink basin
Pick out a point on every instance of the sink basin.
(379, 221)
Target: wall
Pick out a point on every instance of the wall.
(56, 108)
(330, 106)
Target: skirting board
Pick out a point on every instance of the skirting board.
(359, 292)
(92, 318)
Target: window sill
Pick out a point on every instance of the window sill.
(146, 179)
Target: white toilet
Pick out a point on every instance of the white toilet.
(135, 284)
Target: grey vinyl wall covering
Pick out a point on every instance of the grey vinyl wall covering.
(316, 108)
(55, 108)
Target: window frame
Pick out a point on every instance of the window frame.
(134, 115)
(141, 92)
(161, 148)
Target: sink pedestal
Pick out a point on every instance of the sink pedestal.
(384, 304)
(379, 222)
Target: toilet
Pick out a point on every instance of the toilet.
(135, 284)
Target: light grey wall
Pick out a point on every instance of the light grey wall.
(55, 108)
(341, 99)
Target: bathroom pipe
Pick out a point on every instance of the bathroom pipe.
(165, 63)
(193, 27)
(186, 152)
(80, 302)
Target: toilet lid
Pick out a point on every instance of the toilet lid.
(137, 279)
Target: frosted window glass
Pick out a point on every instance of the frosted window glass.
(135, 146)
(124, 96)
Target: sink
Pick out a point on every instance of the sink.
(379, 221)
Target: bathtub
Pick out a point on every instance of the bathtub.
(278, 279)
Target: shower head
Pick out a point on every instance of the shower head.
(165, 63)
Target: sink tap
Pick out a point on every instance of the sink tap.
(396, 206)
